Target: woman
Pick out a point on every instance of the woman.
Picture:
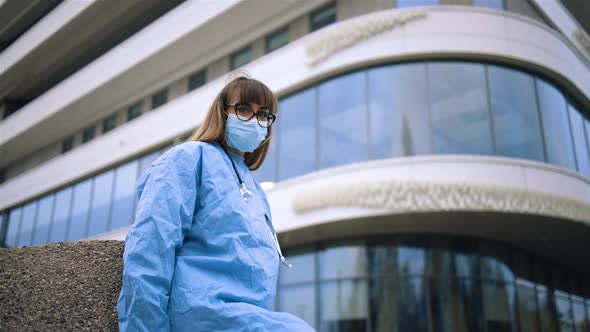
(202, 254)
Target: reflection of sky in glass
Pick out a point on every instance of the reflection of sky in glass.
(25, 234)
(101, 203)
(460, 117)
(343, 120)
(43, 220)
(555, 125)
(331, 262)
(303, 269)
(297, 132)
(580, 144)
(13, 223)
(493, 4)
(124, 200)
(416, 3)
(299, 301)
(61, 215)
(343, 300)
(80, 205)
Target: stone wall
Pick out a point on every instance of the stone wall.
(62, 286)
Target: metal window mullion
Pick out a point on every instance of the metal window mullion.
(540, 116)
(490, 111)
(112, 197)
(34, 226)
(69, 220)
(51, 218)
(89, 209)
(573, 140)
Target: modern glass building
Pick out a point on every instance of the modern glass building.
(430, 165)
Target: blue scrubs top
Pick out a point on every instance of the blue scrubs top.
(198, 257)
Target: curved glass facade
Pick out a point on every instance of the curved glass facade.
(437, 107)
(427, 283)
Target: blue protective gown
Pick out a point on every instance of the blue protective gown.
(198, 257)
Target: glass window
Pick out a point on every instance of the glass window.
(61, 215)
(124, 196)
(322, 17)
(495, 262)
(494, 4)
(460, 117)
(300, 301)
(197, 79)
(159, 98)
(343, 305)
(109, 123)
(580, 322)
(398, 111)
(13, 225)
(466, 258)
(277, 39)
(416, 3)
(580, 144)
(3, 228)
(101, 203)
(134, 111)
(297, 134)
(343, 262)
(453, 305)
(412, 304)
(516, 118)
(499, 306)
(527, 306)
(384, 304)
(439, 259)
(303, 269)
(267, 171)
(67, 144)
(411, 260)
(383, 260)
(564, 312)
(240, 58)
(343, 120)
(44, 216)
(27, 224)
(80, 208)
(88, 134)
(558, 139)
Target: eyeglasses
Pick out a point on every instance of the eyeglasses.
(245, 113)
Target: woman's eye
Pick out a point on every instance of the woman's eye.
(244, 111)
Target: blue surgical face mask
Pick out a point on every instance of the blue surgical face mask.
(245, 136)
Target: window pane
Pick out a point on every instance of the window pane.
(303, 269)
(460, 117)
(299, 301)
(124, 198)
(416, 3)
(80, 209)
(197, 79)
(109, 123)
(439, 259)
(67, 144)
(3, 227)
(88, 134)
(411, 260)
(343, 120)
(580, 321)
(580, 144)
(564, 312)
(101, 203)
(134, 111)
(454, 305)
(160, 98)
(466, 258)
(527, 306)
(241, 58)
(343, 261)
(412, 304)
(297, 133)
(25, 233)
(556, 126)
(494, 4)
(267, 171)
(322, 17)
(344, 306)
(61, 215)
(13, 224)
(43, 220)
(516, 118)
(277, 39)
(383, 260)
(398, 107)
(546, 309)
(499, 307)
(495, 262)
(385, 304)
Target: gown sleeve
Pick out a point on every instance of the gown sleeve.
(166, 203)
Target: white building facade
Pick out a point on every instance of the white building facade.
(429, 169)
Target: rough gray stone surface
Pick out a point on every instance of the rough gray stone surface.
(64, 286)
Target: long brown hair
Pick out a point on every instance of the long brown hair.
(213, 127)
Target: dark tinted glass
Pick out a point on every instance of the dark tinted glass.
(322, 17)
(197, 79)
(160, 98)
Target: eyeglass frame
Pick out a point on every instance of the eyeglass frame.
(272, 118)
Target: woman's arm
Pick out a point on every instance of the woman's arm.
(166, 202)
